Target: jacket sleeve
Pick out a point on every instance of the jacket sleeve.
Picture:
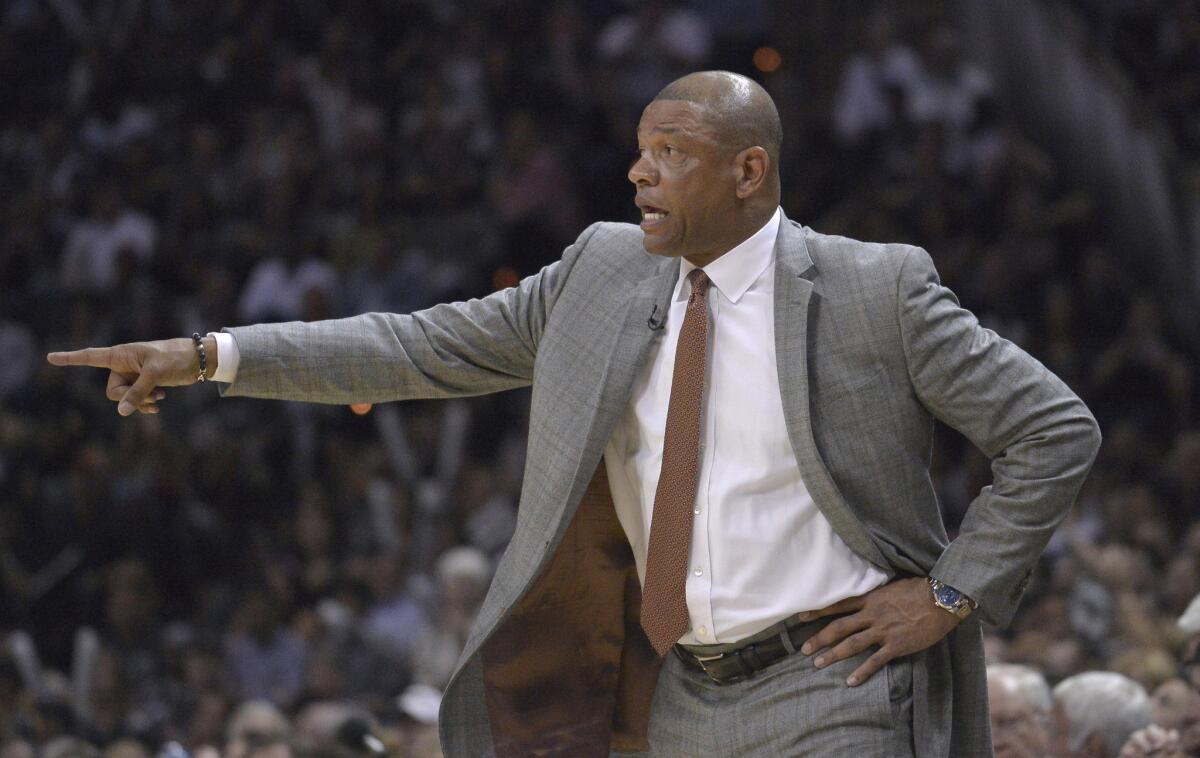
(1039, 435)
(450, 350)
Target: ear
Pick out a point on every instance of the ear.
(752, 166)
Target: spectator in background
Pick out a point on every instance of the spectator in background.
(418, 707)
(316, 537)
(533, 192)
(1019, 701)
(266, 659)
(56, 161)
(1176, 705)
(126, 749)
(391, 278)
(128, 689)
(873, 82)
(437, 129)
(17, 748)
(285, 289)
(108, 245)
(463, 575)
(69, 747)
(956, 95)
(258, 730)
(396, 619)
(488, 518)
(1142, 364)
(1177, 93)
(1154, 742)
(1096, 712)
(18, 345)
(1189, 624)
(655, 42)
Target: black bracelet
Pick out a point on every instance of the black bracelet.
(202, 376)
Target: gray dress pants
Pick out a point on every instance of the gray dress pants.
(789, 708)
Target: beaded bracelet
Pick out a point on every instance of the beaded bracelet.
(201, 376)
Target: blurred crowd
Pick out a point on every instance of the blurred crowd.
(1157, 44)
(277, 579)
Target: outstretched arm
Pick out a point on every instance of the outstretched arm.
(457, 349)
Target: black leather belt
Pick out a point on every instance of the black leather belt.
(743, 662)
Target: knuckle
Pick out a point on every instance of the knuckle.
(857, 643)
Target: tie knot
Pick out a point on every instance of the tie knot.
(699, 281)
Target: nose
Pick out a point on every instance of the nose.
(642, 172)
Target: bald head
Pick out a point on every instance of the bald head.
(738, 108)
(707, 171)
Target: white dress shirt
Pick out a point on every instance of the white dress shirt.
(761, 550)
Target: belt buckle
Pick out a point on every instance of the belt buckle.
(703, 659)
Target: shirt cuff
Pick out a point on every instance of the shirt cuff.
(228, 357)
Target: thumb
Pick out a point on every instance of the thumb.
(138, 392)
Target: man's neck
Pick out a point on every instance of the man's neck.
(747, 229)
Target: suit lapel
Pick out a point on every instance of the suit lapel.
(649, 301)
(795, 274)
(600, 412)
(645, 315)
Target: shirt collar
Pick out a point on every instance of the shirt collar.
(736, 270)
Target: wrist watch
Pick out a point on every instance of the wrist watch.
(949, 599)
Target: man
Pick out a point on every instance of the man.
(258, 728)
(1175, 704)
(1019, 701)
(738, 426)
(1098, 711)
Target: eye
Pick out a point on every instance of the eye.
(673, 154)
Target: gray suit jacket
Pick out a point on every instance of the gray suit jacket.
(870, 348)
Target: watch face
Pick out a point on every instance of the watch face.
(948, 595)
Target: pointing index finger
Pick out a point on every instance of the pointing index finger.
(98, 357)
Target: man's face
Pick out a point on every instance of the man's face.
(1176, 705)
(1017, 731)
(685, 180)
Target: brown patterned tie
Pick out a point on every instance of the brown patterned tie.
(664, 600)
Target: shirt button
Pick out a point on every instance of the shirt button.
(697, 511)
(703, 631)
(699, 572)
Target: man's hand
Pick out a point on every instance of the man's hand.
(1154, 741)
(138, 369)
(900, 617)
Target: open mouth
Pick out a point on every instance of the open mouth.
(652, 215)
